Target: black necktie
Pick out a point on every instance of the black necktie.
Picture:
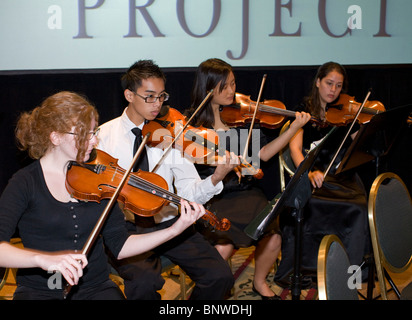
(141, 163)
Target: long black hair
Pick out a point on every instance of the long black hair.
(208, 75)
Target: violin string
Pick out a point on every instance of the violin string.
(270, 109)
(172, 196)
(159, 190)
(369, 111)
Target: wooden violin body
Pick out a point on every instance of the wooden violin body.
(270, 114)
(144, 193)
(99, 178)
(198, 144)
(344, 110)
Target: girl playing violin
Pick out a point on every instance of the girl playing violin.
(338, 204)
(54, 226)
(239, 202)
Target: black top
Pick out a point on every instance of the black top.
(46, 224)
(313, 133)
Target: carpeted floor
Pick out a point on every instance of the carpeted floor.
(243, 265)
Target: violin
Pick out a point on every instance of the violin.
(198, 144)
(144, 193)
(343, 111)
(270, 114)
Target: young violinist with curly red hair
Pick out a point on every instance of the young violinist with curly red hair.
(52, 225)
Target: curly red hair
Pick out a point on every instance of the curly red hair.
(57, 113)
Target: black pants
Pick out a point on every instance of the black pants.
(105, 291)
(201, 262)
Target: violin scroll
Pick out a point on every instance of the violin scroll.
(222, 225)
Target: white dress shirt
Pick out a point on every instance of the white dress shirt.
(117, 139)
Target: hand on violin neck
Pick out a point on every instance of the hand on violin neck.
(189, 214)
(225, 164)
(301, 118)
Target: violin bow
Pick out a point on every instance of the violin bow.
(347, 133)
(181, 131)
(99, 224)
(253, 119)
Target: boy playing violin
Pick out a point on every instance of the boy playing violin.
(144, 90)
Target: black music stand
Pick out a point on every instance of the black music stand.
(375, 138)
(296, 195)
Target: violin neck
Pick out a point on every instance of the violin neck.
(366, 110)
(152, 188)
(200, 140)
(370, 111)
(147, 186)
(270, 109)
(275, 110)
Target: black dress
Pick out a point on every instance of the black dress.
(45, 224)
(339, 207)
(240, 202)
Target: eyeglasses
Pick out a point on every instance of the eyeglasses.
(90, 134)
(152, 99)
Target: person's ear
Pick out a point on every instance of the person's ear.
(55, 138)
(128, 95)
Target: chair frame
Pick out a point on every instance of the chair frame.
(10, 271)
(381, 262)
(167, 267)
(283, 166)
(4, 274)
(324, 248)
